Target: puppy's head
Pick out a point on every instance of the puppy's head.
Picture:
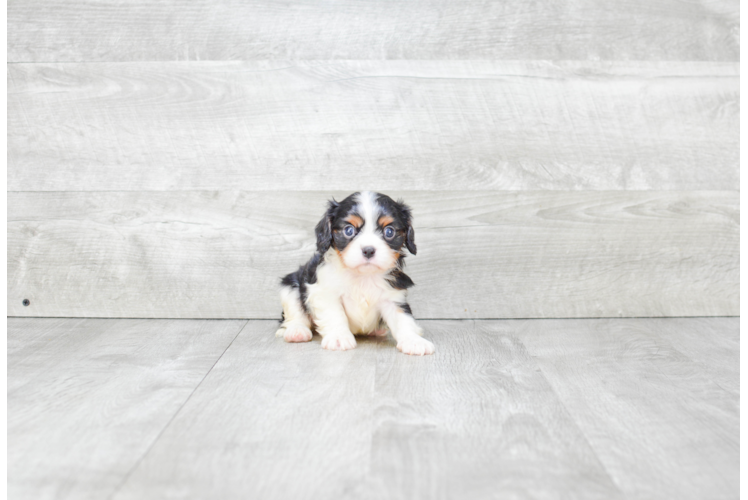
(368, 231)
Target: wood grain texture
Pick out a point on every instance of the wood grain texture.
(660, 421)
(621, 408)
(481, 254)
(87, 398)
(273, 420)
(57, 31)
(717, 353)
(381, 125)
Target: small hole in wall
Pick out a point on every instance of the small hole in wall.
(26, 302)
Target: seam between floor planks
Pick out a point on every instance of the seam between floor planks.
(132, 487)
(562, 402)
(163, 429)
(575, 421)
(585, 428)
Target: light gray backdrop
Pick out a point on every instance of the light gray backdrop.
(575, 160)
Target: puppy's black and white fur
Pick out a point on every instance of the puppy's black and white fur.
(355, 283)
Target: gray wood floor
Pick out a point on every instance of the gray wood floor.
(596, 408)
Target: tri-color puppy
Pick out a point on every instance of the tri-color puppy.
(355, 283)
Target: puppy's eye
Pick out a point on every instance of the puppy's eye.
(349, 231)
(389, 232)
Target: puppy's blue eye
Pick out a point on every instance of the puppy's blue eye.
(389, 232)
(349, 231)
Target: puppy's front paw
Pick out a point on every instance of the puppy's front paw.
(417, 346)
(297, 333)
(338, 342)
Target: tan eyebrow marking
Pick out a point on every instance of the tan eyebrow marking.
(355, 220)
(385, 221)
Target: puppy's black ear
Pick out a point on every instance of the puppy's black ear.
(410, 240)
(324, 228)
(410, 235)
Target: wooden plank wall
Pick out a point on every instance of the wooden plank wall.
(569, 159)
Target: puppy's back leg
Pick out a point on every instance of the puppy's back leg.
(296, 326)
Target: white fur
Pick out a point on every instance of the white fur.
(296, 326)
(352, 294)
(344, 302)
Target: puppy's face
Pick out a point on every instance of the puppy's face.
(368, 230)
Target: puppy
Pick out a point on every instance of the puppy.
(355, 283)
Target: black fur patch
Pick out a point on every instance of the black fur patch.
(306, 274)
(401, 261)
(405, 307)
(400, 280)
(323, 230)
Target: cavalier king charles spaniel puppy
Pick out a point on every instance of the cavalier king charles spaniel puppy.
(355, 283)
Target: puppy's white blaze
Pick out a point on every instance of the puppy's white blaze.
(367, 205)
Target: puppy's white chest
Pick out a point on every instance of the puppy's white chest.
(362, 309)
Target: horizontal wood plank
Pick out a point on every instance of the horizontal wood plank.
(87, 398)
(91, 30)
(481, 254)
(381, 125)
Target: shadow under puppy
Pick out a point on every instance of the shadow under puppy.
(354, 284)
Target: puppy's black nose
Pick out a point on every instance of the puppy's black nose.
(368, 252)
